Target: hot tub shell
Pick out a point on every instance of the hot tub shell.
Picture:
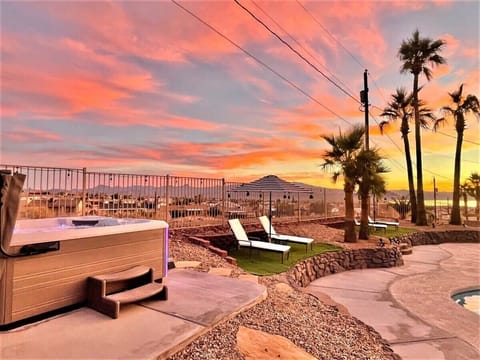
(35, 284)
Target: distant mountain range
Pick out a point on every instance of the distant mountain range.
(335, 195)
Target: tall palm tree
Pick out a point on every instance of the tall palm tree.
(463, 107)
(416, 54)
(401, 108)
(342, 159)
(368, 177)
(474, 190)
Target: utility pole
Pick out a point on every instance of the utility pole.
(364, 101)
(365, 191)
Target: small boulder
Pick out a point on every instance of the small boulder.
(259, 345)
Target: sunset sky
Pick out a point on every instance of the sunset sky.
(145, 88)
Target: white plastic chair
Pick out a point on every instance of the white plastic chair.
(268, 227)
(243, 240)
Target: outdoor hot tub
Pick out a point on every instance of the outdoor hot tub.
(50, 260)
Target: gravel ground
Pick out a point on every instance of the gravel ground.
(318, 328)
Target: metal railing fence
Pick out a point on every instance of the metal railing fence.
(181, 201)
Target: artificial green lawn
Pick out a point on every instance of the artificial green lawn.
(263, 262)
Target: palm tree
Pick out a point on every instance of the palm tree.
(401, 108)
(368, 177)
(463, 107)
(342, 158)
(416, 53)
(402, 206)
(474, 191)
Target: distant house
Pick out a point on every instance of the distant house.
(66, 206)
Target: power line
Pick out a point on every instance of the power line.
(354, 58)
(359, 63)
(291, 83)
(300, 45)
(301, 56)
(449, 157)
(454, 137)
(296, 52)
(341, 45)
(439, 132)
(378, 88)
(329, 34)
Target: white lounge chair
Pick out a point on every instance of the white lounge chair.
(374, 225)
(243, 240)
(268, 227)
(388, 223)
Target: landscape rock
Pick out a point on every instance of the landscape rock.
(259, 345)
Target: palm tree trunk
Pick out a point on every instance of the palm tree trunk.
(363, 232)
(411, 186)
(421, 213)
(455, 218)
(350, 235)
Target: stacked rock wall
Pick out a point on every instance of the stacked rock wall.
(307, 270)
(439, 237)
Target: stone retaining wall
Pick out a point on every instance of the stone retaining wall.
(318, 266)
(321, 265)
(439, 237)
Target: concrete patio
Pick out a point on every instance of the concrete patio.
(148, 330)
(411, 305)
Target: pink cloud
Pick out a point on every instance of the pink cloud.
(99, 82)
(31, 135)
(452, 45)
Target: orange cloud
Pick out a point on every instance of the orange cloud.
(72, 87)
(312, 120)
(392, 127)
(442, 70)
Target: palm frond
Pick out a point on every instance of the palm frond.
(472, 104)
(382, 125)
(457, 95)
(437, 123)
(427, 72)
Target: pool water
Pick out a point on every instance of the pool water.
(469, 300)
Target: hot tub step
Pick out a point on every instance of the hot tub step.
(137, 294)
(107, 292)
(132, 273)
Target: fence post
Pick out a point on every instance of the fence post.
(84, 185)
(298, 194)
(167, 200)
(325, 207)
(223, 203)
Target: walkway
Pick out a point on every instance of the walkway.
(410, 306)
(149, 330)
